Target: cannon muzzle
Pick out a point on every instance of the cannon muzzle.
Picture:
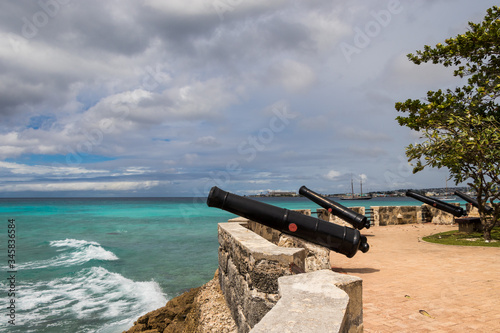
(474, 202)
(358, 221)
(441, 205)
(337, 238)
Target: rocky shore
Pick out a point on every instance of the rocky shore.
(199, 310)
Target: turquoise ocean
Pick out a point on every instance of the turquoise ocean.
(97, 264)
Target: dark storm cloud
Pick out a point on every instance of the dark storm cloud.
(153, 95)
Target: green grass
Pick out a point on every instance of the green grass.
(456, 237)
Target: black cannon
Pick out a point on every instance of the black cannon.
(358, 221)
(473, 202)
(441, 205)
(337, 238)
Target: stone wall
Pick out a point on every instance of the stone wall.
(284, 288)
(390, 215)
(316, 257)
(320, 301)
(266, 276)
(272, 282)
(249, 268)
(471, 210)
(327, 216)
(437, 216)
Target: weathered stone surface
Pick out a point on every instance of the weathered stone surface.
(210, 312)
(323, 214)
(250, 268)
(264, 275)
(317, 257)
(266, 232)
(303, 211)
(314, 302)
(250, 244)
(238, 219)
(471, 210)
(353, 286)
(223, 256)
(199, 310)
(392, 215)
(173, 313)
(257, 305)
(438, 216)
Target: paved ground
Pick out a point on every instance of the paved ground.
(457, 287)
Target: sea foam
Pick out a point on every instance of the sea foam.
(92, 294)
(74, 252)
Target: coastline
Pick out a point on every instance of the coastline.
(105, 242)
(198, 310)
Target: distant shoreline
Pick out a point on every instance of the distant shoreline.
(392, 193)
(438, 191)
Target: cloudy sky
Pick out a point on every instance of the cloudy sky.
(168, 98)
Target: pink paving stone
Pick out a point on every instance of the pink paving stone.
(458, 286)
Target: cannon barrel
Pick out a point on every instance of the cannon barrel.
(358, 221)
(337, 238)
(441, 205)
(487, 209)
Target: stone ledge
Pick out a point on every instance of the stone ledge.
(249, 268)
(257, 281)
(393, 215)
(257, 246)
(315, 302)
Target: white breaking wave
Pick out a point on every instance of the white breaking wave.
(92, 293)
(78, 252)
(72, 243)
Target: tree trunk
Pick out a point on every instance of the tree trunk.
(486, 234)
(487, 227)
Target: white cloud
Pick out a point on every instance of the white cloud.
(23, 169)
(373, 152)
(327, 28)
(332, 175)
(259, 181)
(198, 99)
(403, 72)
(190, 159)
(207, 141)
(179, 7)
(351, 133)
(116, 114)
(80, 186)
(133, 171)
(170, 89)
(14, 144)
(293, 75)
(10, 151)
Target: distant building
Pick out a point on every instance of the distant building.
(281, 194)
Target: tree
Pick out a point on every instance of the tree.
(461, 127)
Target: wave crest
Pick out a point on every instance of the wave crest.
(76, 252)
(92, 293)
